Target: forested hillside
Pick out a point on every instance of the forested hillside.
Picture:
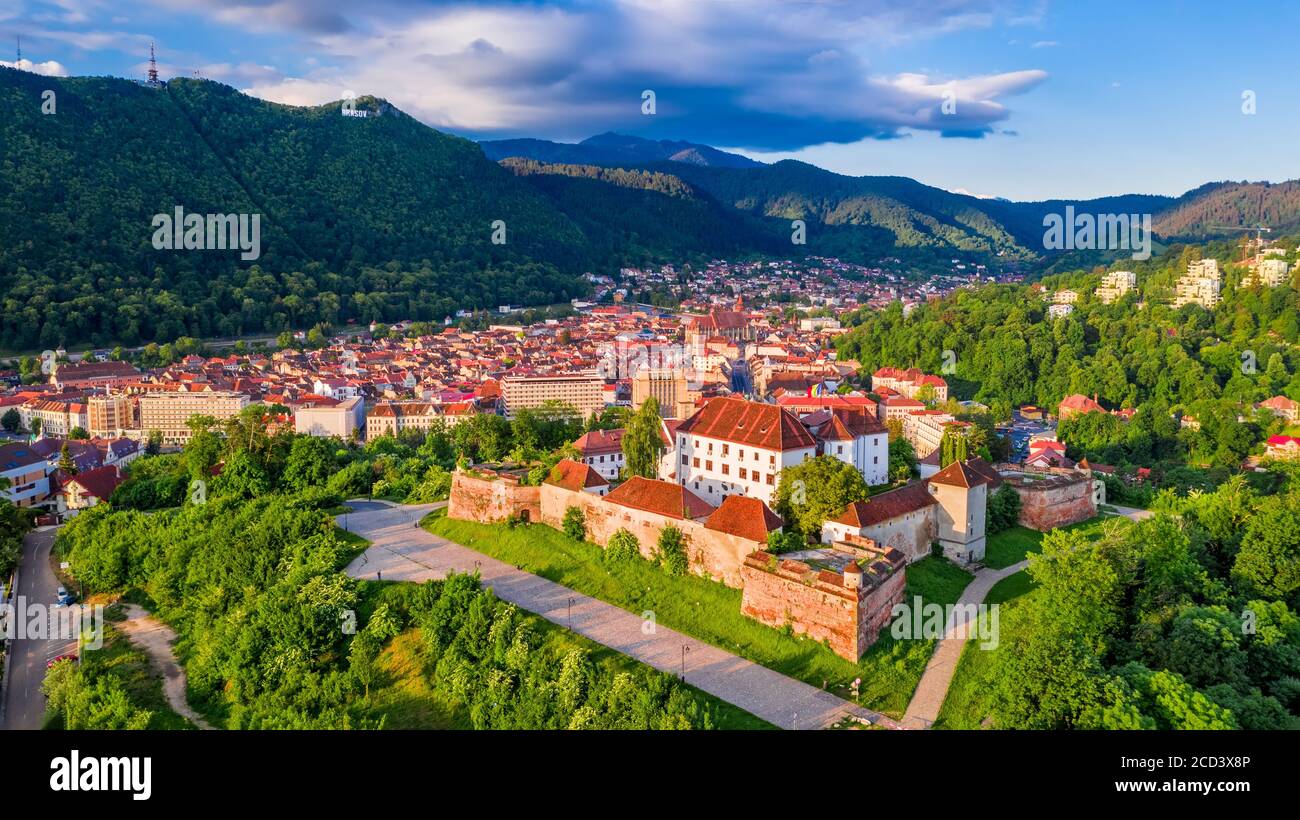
(376, 218)
(631, 215)
(1151, 358)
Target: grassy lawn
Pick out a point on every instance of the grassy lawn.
(967, 704)
(355, 545)
(1010, 588)
(710, 611)
(1016, 544)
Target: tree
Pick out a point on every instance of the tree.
(1004, 509)
(66, 464)
(311, 462)
(952, 447)
(902, 459)
(622, 546)
(203, 450)
(1268, 563)
(11, 421)
(575, 523)
(672, 551)
(643, 445)
(153, 444)
(819, 488)
(78, 434)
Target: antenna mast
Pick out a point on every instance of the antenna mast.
(153, 67)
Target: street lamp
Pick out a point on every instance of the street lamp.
(570, 613)
(685, 649)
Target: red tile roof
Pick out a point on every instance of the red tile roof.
(574, 475)
(748, 422)
(661, 497)
(910, 498)
(746, 517)
(599, 442)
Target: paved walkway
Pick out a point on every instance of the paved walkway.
(1132, 513)
(930, 693)
(401, 551)
(156, 638)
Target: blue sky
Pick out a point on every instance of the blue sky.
(1043, 99)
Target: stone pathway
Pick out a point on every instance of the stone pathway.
(930, 693)
(402, 551)
(156, 638)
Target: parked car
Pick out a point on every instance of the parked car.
(64, 597)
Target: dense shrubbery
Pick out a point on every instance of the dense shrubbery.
(483, 654)
(1185, 620)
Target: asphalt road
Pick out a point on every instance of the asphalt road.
(24, 702)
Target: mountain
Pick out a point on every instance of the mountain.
(617, 150)
(380, 218)
(1214, 209)
(375, 218)
(635, 214)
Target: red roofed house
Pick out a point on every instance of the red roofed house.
(1282, 447)
(1284, 407)
(578, 477)
(602, 450)
(948, 508)
(85, 490)
(745, 517)
(661, 498)
(731, 446)
(1076, 405)
(909, 382)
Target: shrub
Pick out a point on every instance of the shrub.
(1003, 508)
(672, 551)
(622, 546)
(575, 524)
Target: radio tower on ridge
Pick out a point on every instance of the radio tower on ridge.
(153, 68)
(19, 38)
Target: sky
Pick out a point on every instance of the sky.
(1023, 99)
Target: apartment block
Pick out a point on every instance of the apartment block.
(1200, 285)
(584, 391)
(1115, 284)
(169, 413)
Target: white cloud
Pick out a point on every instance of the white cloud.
(49, 68)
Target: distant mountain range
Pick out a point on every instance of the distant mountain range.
(916, 215)
(383, 218)
(615, 150)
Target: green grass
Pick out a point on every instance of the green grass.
(1010, 588)
(354, 546)
(710, 611)
(1016, 544)
(405, 699)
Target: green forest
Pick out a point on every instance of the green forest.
(1137, 353)
(1186, 620)
(246, 566)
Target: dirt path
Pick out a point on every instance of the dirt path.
(156, 638)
